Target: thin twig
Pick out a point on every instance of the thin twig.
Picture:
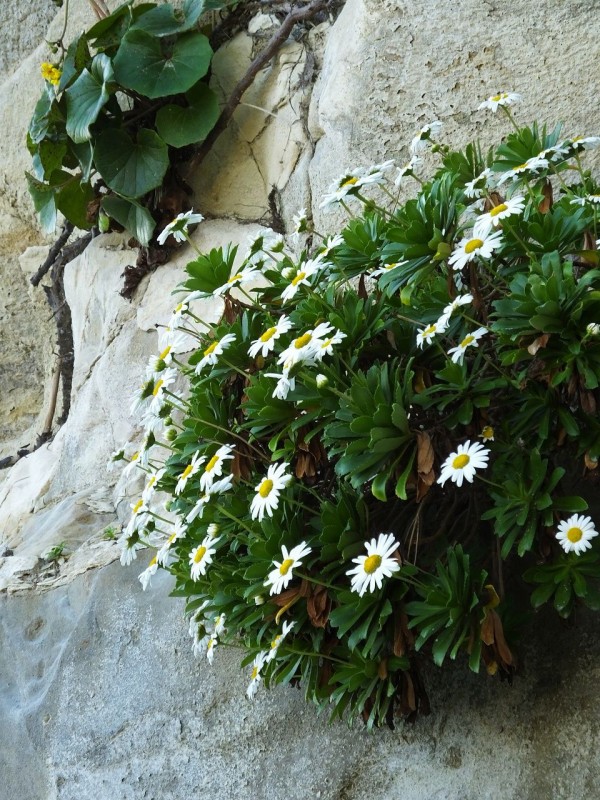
(53, 253)
(279, 37)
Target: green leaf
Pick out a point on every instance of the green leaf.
(44, 203)
(569, 504)
(72, 200)
(51, 155)
(180, 126)
(542, 594)
(131, 168)
(165, 20)
(132, 216)
(84, 154)
(44, 115)
(156, 68)
(87, 96)
(401, 484)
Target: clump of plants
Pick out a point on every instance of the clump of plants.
(385, 449)
(120, 108)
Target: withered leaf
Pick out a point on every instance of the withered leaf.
(546, 204)
(503, 649)
(589, 462)
(538, 343)
(425, 454)
(487, 629)
(318, 606)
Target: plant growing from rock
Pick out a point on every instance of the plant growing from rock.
(389, 440)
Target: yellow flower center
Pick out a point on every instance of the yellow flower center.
(265, 487)
(200, 553)
(349, 182)
(135, 456)
(153, 562)
(268, 334)
(211, 348)
(488, 432)
(286, 566)
(498, 209)
(497, 97)
(302, 341)
(461, 461)
(235, 277)
(157, 386)
(164, 353)
(521, 166)
(275, 642)
(371, 564)
(254, 675)
(171, 539)
(472, 245)
(178, 307)
(326, 343)
(211, 464)
(137, 506)
(186, 472)
(467, 341)
(299, 277)
(152, 481)
(429, 330)
(574, 534)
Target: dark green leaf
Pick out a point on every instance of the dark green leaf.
(131, 168)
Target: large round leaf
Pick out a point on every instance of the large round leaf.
(87, 96)
(165, 20)
(157, 68)
(131, 168)
(180, 126)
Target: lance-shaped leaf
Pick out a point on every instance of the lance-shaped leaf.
(158, 68)
(87, 96)
(180, 126)
(132, 216)
(131, 168)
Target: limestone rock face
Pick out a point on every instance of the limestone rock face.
(99, 694)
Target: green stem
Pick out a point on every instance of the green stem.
(235, 519)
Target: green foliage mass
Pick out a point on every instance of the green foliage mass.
(352, 527)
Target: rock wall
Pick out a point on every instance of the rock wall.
(99, 694)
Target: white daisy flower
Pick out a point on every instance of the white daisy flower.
(158, 396)
(330, 244)
(459, 300)
(301, 276)
(200, 645)
(592, 199)
(370, 570)
(214, 467)
(574, 534)
(276, 642)
(179, 226)
(266, 499)
(470, 247)
(158, 363)
(458, 353)
(181, 341)
(219, 622)
(284, 386)
(210, 648)
(387, 268)
(534, 164)
(555, 153)
(425, 335)
(178, 531)
(179, 313)
(501, 99)
(255, 677)
(266, 341)
(129, 545)
(139, 516)
(218, 487)
(582, 143)
(200, 558)
(493, 218)
(407, 169)
(279, 578)
(487, 433)
(423, 138)
(264, 241)
(146, 576)
(212, 530)
(150, 488)
(474, 189)
(213, 351)
(248, 273)
(325, 346)
(347, 184)
(191, 469)
(300, 223)
(304, 347)
(462, 464)
(151, 394)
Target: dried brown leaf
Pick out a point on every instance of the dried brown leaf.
(318, 606)
(538, 343)
(546, 204)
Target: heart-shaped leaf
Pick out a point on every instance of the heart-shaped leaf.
(180, 126)
(72, 201)
(43, 201)
(132, 216)
(156, 68)
(87, 96)
(165, 20)
(131, 168)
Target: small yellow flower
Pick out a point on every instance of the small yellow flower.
(50, 73)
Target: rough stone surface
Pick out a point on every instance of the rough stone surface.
(100, 697)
